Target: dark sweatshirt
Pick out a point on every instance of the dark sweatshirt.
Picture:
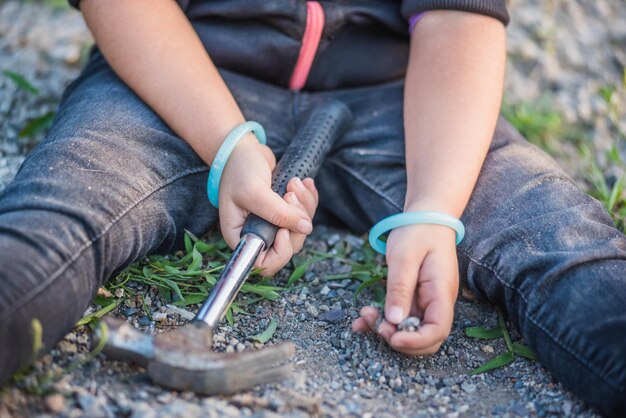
(363, 41)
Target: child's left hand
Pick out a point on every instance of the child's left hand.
(423, 281)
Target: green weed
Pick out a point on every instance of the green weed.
(266, 335)
(39, 124)
(184, 278)
(500, 331)
(600, 173)
(20, 81)
(367, 268)
(538, 122)
(41, 383)
(55, 4)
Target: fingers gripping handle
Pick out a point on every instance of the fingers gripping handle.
(303, 158)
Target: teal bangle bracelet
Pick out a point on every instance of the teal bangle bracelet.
(412, 218)
(219, 162)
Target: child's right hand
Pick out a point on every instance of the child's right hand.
(246, 186)
(423, 281)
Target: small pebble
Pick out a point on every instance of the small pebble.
(333, 315)
(129, 311)
(144, 321)
(487, 349)
(55, 403)
(468, 387)
(410, 324)
(159, 316)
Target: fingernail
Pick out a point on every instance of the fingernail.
(395, 314)
(304, 227)
(299, 184)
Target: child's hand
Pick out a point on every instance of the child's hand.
(246, 186)
(422, 282)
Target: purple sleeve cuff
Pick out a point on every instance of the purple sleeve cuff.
(414, 19)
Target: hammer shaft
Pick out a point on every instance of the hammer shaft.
(232, 278)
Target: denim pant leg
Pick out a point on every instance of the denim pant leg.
(109, 184)
(535, 243)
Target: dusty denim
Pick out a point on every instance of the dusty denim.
(112, 183)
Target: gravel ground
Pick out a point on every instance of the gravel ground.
(567, 49)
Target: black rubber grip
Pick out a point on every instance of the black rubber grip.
(303, 158)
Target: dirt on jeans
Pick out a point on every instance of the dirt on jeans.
(566, 48)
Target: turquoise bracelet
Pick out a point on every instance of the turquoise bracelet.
(219, 162)
(411, 218)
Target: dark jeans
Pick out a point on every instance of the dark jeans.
(112, 183)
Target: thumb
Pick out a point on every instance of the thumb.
(271, 207)
(404, 266)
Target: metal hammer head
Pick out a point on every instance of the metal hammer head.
(183, 359)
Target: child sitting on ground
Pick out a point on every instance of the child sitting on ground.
(123, 171)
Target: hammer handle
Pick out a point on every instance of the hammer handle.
(302, 158)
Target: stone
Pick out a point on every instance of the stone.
(55, 403)
(468, 387)
(312, 310)
(333, 315)
(567, 408)
(410, 324)
(487, 349)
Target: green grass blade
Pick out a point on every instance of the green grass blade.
(21, 82)
(229, 317)
(362, 275)
(484, 333)
(172, 285)
(98, 314)
(170, 269)
(102, 301)
(366, 284)
(266, 292)
(299, 271)
(191, 299)
(496, 362)
(37, 337)
(37, 125)
(266, 335)
(616, 192)
(188, 243)
(196, 260)
(206, 248)
(524, 351)
(505, 331)
(165, 294)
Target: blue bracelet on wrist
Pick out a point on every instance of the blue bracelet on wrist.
(219, 162)
(411, 218)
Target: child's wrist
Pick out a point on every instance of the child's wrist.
(235, 137)
(431, 205)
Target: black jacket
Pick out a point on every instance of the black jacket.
(363, 41)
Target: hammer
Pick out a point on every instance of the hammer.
(183, 359)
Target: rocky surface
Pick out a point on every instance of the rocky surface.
(336, 373)
(566, 49)
(44, 45)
